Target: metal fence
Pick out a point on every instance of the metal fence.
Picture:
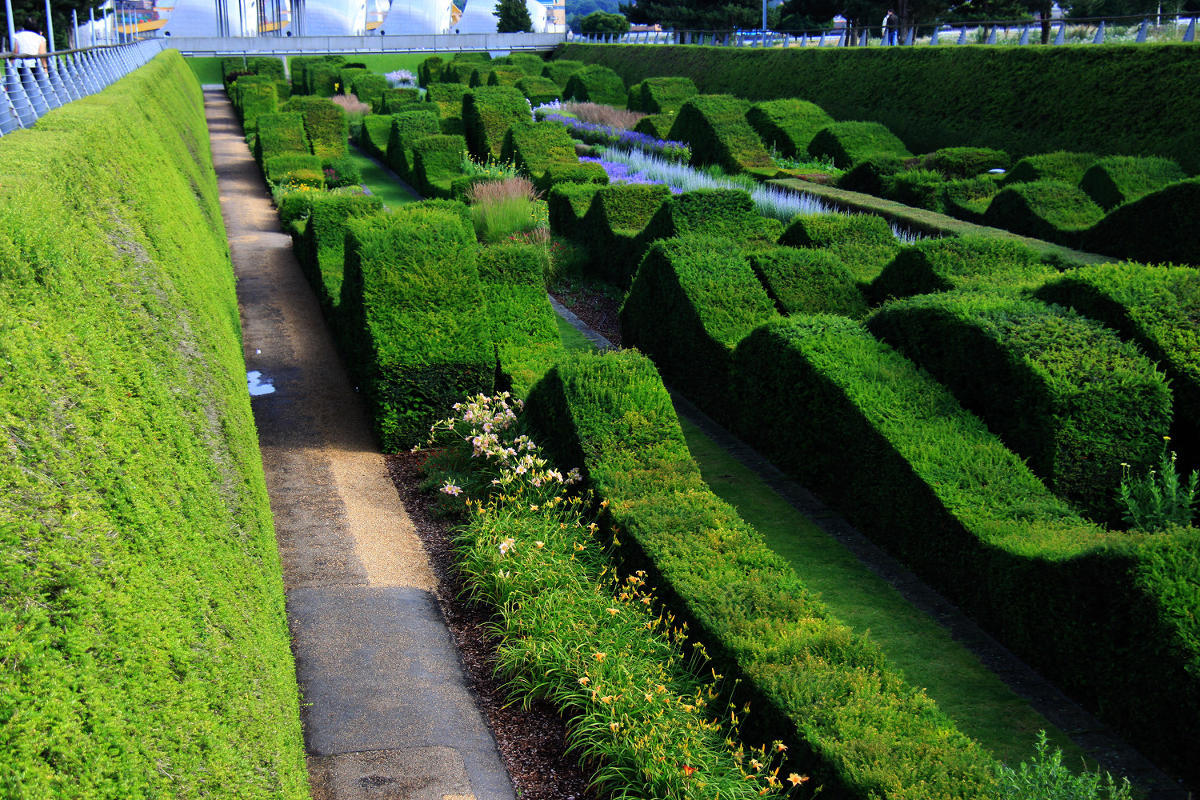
(35, 85)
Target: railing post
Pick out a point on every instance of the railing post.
(1024, 36)
(934, 37)
(1061, 38)
(22, 104)
(962, 36)
(1190, 34)
(1099, 34)
(1141, 36)
(36, 98)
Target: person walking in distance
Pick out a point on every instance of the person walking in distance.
(889, 28)
(28, 42)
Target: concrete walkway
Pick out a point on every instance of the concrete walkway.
(387, 712)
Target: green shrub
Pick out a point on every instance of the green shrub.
(807, 281)
(531, 64)
(848, 143)
(305, 81)
(716, 129)
(610, 230)
(396, 100)
(324, 122)
(279, 134)
(1155, 228)
(324, 245)
(568, 204)
(724, 213)
(341, 171)
(539, 90)
(829, 693)
(594, 84)
(965, 162)
(1115, 180)
(863, 242)
(533, 147)
(447, 98)
(437, 161)
(347, 75)
(661, 95)
(458, 72)
(788, 125)
(1051, 210)
(277, 167)
(561, 70)
(1061, 166)
(322, 78)
(568, 172)
(429, 71)
(523, 323)
(407, 127)
(370, 89)
(656, 125)
(487, 113)
(890, 449)
(960, 262)
(693, 299)
(1076, 402)
(969, 198)
(293, 207)
(145, 643)
(255, 99)
(376, 130)
(871, 175)
(499, 75)
(412, 299)
(919, 188)
(1156, 308)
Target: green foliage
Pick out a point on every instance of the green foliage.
(848, 143)
(919, 188)
(788, 125)
(539, 90)
(1161, 498)
(447, 98)
(871, 175)
(412, 298)
(1076, 402)
(863, 242)
(347, 75)
(512, 16)
(693, 299)
(255, 98)
(1115, 180)
(891, 450)
(374, 134)
(933, 97)
(293, 206)
(396, 99)
(568, 204)
(533, 147)
(1155, 228)
(487, 113)
(437, 161)
(145, 643)
(279, 134)
(1045, 778)
(613, 224)
(499, 75)
(603, 22)
(594, 84)
(969, 198)
(429, 71)
(716, 129)
(324, 245)
(322, 76)
(1051, 210)
(1065, 167)
(807, 281)
(370, 88)
(561, 70)
(825, 690)
(406, 128)
(531, 64)
(277, 167)
(1156, 308)
(960, 262)
(324, 122)
(656, 125)
(964, 162)
(523, 323)
(724, 213)
(661, 95)
(341, 171)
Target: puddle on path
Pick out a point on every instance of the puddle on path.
(258, 384)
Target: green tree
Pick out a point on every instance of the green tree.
(60, 15)
(512, 17)
(707, 15)
(601, 22)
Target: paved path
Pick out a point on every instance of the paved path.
(387, 712)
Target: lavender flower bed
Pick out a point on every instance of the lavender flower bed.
(623, 173)
(594, 133)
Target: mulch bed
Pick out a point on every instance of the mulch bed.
(599, 310)
(532, 742)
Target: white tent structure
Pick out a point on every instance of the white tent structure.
(477, 17)
(417, 17)
(333, 17)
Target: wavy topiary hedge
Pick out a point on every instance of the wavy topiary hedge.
(280, 134)
(788, 125)
(595, 84)
(1156, 228)
(437, 162)
(864, 242)
(1115, 180)
(487, 113)
(932, 97)
(561, 70)
(661, 95)
(715, 128)
(539, 90)
(727, 213)
(376, 129)
(849, 143)
(397, 99)
(534, 147)
(1063, 166)
(964, 162)
(142, 626)
(568, 204)
(613, 224)
(406, 128)
(524, 326)
(1051, 210)
(807, 281)
(324, 122)
(960, 262)
(324, 245)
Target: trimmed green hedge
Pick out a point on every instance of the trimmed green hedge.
(530, 63)
(1066, 167)
(595, 84)
(412, 300)
(919, 188)
(807, 281)
(437, 161)
(429, 71)
(727, 213)
(277, 167)
(788, 125)
(864, 242)
(965, 162)
(280, 134)
(324, 122)
(848, 143)
(322, 76)
(1076, 401)
(254, 98)
(613, 224)
(370, 89)
(871, 174)
(447, 98)
(375, 132)
(1115, 180)
(1108, 615)
(1157, 308)
(848, 717)
(539, 90)
(1159, 227)
(692, 301)
(397, 99)
(661, 95)
(561, 70)
(968, 199)
(933, 97)
(716, 129)
(571, 172)
(656, 125)
(407, 127)
(534, 147)
(960, 262)
(145, 643)
(523, 323)
(1051, 210)
(500, 75)
(487, 113)
(568, 204)
(324, 245)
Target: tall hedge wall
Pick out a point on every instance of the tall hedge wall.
(142, 628)
(1117, 99)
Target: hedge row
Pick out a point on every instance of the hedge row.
(863, 242)
(487, 114)
(535, 147)
(661, 95)
(715, 128)
(437, 163)
(143, 631)
(322, 254)
(787, 126)
(280, 134)
(613, 224)
(406, 128)
(801, 280)
(595, 84)
(370, 89)
(960, 262)
(524, 326)
(1107, 614)
(849, 717)
(324, 123)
